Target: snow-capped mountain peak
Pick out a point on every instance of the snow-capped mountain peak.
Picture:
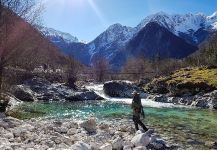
(57, 36)
(176, 23)
(213, 16)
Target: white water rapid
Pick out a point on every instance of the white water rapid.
(98, 89)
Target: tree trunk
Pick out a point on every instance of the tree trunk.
(1, 79)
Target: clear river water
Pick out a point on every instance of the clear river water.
(190, 128)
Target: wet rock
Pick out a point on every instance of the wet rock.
(122, 89)
(161, 98)
(201, 102)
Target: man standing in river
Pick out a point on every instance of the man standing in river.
(137, 111)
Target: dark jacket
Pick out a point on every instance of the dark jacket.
(137, 106)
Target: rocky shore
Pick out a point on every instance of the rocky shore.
(39, 89)
(159, 92)
(73, 135)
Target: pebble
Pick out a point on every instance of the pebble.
(66, 134)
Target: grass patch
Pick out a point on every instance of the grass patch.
(194, 75)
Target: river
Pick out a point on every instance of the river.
(190, 128)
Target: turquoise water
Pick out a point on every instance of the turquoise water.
(190, 128)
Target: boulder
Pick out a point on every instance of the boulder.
(161, 98)
(202, 103)
(23, 93)
(158, 144)
(2, 115)
(141, 139)
(89, 125)
(117, 144)
(81, 146)
(121, 89)
(87, 95)
(189, 88)
(39, 89)
(127, 147)
(157, 86)
(140, 148)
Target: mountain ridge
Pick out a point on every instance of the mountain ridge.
(193, 28)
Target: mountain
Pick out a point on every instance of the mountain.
(69, 44)
(110, 41)
(187, 31)
(57, 36)
(191, 27)
(153, 40)
(26, 47)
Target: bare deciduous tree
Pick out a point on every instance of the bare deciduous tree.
(72, 72)
(14, 15)
(100, 68)
(137, 68)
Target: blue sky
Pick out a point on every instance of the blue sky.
(86, 19)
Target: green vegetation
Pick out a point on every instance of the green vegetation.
(194, 75)
(188, 81)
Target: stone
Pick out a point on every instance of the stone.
(141, 140)
(140, 148)
(117, 143)
(103, 126)
(201, 102)
(162, 99)
(2, 115)
(4, 147)
(23, 93)
(122, 89)
(72, 131)
(87, 95)
(149, 132)
(81, 146)
(106, 146)
(8, 135)
(127, 147)
(89, 125)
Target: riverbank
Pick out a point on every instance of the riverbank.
(189, 128)
(73, 135)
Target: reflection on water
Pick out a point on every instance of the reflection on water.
(186, 127)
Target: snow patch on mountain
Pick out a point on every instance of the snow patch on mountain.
(214, 26)
(182, 23)
(56, 36)
(213, 16)
(112, 39)
(176, 23)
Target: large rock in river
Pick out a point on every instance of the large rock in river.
(87, 95)
(122, 89)
(38, 89)
(23, 93)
